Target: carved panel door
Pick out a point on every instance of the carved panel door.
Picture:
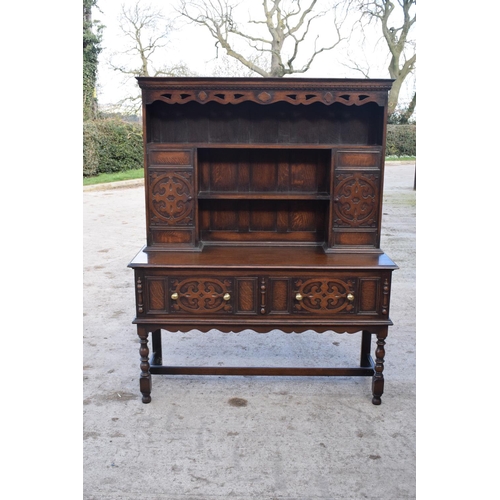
(356, 199)
(171, 198)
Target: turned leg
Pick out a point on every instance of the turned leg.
(378, 377)
(156, 341)
(366, 342)
(145, 382)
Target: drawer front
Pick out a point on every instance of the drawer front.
(205, 295)
(158, 294)
(335, 295)
(170, 157)
(324, 295)
(338, 294)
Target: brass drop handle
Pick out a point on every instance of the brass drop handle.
(174, 296)
(350, 297)
(298, 296)
(226, 297)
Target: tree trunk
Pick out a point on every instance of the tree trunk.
(394, 96)
(405, 117)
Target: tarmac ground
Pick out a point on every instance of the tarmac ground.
(233, 437)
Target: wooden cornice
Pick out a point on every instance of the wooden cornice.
(265, 90)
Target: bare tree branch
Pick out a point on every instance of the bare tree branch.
(284, 44)
(395, 21)
(146, 31)
(303, 17)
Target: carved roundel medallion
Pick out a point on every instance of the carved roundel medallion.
(355, 200)
(171, 198)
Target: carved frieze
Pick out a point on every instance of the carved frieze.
(293, 97)
(264, 91)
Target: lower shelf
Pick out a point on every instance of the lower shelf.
(263, 371)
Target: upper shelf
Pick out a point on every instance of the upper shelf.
(250, 123)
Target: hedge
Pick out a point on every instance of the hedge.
(111, 145)
(90, 149)
(401, 140)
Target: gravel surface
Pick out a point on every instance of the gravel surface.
(241, 437)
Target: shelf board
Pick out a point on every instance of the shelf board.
(158, 145)
(267, 195)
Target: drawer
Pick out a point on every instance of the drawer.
(170, 157)
(203, 295)
(324, 295)
(355, 159)
(337, 294)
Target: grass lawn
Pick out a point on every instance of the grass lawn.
(400, 158)
(139, 173)
(126, 175)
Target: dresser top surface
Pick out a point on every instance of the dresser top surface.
(382, 83)
(259, 257)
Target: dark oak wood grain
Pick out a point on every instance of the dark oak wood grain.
(263, 211)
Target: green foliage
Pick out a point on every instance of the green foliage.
(405, 114)
(401, 140)
(90, 148)
(111, 146)
(92, 36)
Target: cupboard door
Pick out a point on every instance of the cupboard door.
(171, 195)
(356, 199)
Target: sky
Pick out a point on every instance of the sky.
(194, 46)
